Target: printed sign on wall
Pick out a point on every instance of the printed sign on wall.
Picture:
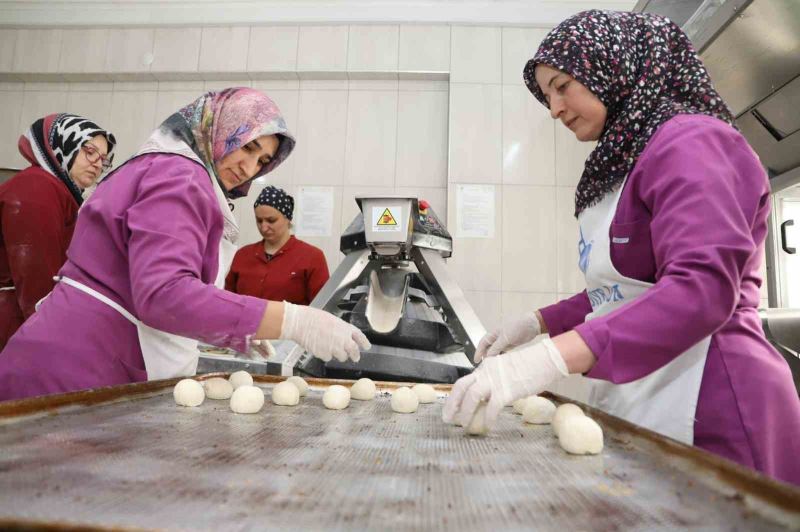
(314, 213)
(475, 211)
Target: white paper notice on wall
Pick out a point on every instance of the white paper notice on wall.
(475, 208)
(314, 212)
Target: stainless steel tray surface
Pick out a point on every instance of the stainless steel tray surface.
(142, 462)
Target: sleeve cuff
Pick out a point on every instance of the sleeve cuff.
(550, 316)
(249, 320)
(595, 334)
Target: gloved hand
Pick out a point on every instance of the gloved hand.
(261, 349)
(322, 334)
(509, 336)
(504, 379)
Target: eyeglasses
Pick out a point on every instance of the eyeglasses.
(93, 155)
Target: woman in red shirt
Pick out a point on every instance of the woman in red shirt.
(39, 206)
(280, 267)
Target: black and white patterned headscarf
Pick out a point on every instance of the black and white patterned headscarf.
(645, 71)
(276, 198)
(53, 143)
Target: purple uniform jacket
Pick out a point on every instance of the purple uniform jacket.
(692, 219)
(148, 238)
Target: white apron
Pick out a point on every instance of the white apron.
(168, 355)
(665, 400)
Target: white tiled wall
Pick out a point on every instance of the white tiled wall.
(364, 120)
(273, 48)
(176, 50)
(500, 136)
(322, 48)
(221, 49)
(373, 48)
(424, 48)
(91, 58)
(37, 50)
(129, 51)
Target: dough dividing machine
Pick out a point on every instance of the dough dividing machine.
(393, 284)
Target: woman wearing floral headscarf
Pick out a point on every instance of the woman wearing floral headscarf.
(672, 208)
(144, 273)
(279, 267)
(38, 208)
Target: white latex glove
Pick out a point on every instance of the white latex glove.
(509, 336)
(503, 379)
(261, 349)
(322, 334)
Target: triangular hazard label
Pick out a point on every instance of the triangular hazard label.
(387, 218)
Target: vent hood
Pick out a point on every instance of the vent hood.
(751, 49)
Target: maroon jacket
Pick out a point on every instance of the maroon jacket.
(294, 274)
(37, 217)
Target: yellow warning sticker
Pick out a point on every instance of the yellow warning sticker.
(387, 218)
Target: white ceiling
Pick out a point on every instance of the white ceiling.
(88, 13)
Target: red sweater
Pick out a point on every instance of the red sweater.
(294, 274)
(37, 217)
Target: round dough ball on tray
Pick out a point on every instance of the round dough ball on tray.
(188, 392)
(425, 393)
(581, 435)
(218, 388)
(240, 378)
(404, 401)
(538, 411)
(336, 397)
(363, 390)
(563, 412)
(477, 426)
(247, 399)
(519, 404)
(300, 384)
(285, 394)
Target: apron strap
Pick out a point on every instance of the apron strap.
(97, 295)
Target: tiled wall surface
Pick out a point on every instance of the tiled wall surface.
(369, 116)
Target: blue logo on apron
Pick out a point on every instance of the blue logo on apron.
(584, 250)
(605, 294)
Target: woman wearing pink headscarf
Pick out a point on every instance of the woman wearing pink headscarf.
(145, 269)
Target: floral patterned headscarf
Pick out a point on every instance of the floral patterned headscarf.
(645, 71)
(219, 123)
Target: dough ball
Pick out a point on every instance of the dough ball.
(519, 404)
(538, 410)
(285, 394)
(218, 388)
(247, 399)
(188, 392)
(581, 435)
(404, 400)
(425, 393)
(562, 413)
(240, 378)
(336, 397)
(300, 384)
(363, 390)
(477, 426)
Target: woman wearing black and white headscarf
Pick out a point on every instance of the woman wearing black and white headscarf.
(279, 267)
(39, 206)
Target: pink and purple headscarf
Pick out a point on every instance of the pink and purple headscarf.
(645, 71)
(219, 123)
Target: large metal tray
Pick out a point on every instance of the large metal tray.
(128, 458)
